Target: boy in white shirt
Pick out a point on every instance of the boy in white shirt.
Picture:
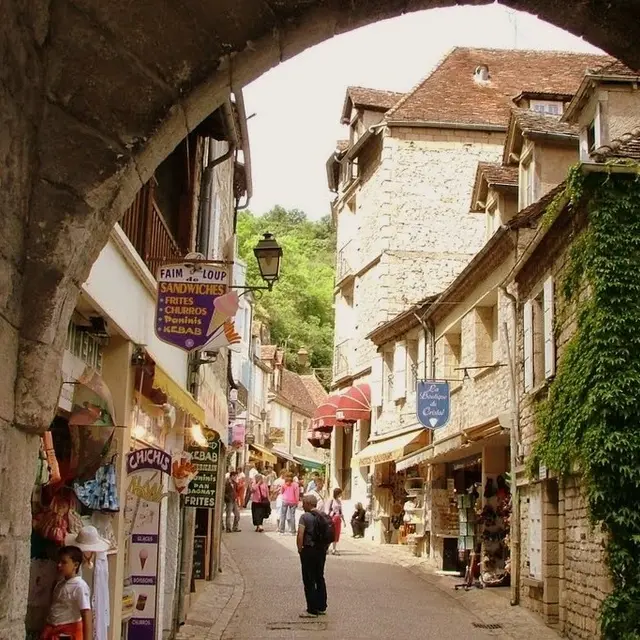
(70, 611)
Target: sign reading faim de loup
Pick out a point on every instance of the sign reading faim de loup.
(194, 305)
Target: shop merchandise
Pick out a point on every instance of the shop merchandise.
(100, 601)
(87, 540)
(100, 493)
(53, 521)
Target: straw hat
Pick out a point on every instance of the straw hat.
(87, 539)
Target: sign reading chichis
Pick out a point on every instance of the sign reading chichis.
(433, 403)
(195, 309)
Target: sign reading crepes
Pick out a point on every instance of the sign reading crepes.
(434, 401)
(194, 309)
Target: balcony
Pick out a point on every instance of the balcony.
(145, 227)
(342, 360)
(343, 262)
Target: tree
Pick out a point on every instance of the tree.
(299, 309)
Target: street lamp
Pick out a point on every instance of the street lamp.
(268, 254)
(303, 357)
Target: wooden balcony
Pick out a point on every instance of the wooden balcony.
(145, 227)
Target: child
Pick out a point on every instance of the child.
(70, 612)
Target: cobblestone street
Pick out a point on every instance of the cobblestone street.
(259, 595)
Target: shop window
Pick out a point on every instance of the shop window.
(535, 531)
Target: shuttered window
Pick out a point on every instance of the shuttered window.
(549, 338)
(535, 531)
(400, 371)
(376, 380)
(528, 345)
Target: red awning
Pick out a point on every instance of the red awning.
(324, 419)
(355, 404)
(319, 439)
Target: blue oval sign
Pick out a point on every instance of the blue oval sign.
(433, 403)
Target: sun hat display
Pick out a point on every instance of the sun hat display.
(88, 539)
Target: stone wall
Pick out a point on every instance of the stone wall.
(574, 581)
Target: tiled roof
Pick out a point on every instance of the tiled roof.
(626, 147)
(495, 175)
(451, 94)
(295, 392)
(615, 68)
(375, 99)
(531, 214)
(543, 95)
(315, 389)
(268, 351)
(534, 122)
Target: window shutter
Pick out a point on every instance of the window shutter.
(422, 342)
(528, 345)
(535, 531)
(376, 380)
(549, 338)
(400, 371)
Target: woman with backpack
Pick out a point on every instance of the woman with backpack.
(337, 517)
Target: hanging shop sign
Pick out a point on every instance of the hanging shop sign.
(236, 434)
(195, 309)
(142, 520)
(434, 402)
(213, 399)
(205, 457)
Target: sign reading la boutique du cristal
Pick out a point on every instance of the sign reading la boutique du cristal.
(433, 405)
(195, 307)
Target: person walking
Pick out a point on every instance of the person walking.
(313, 555)
(290, 491)
(241, 484)
(253, 472)
(313, 482)
(277, 494)
(260, 505)
(335, 513)
(270, 477)
(231, 503)
(319, 493)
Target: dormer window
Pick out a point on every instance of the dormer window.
(481, 74)
(591, 137)
(548, 107)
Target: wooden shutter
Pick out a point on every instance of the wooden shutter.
(376, 380)
(400, 371)
(421, 356)
(535, 531)
(549, 338)
(528, 345)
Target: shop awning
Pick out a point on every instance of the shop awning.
(264, 454)
(388, 450)
(179, 397)
(324, 417)
(309, 463)
(415, 458)
(318, 438)
(355, 404)
(460, 449)
(284, 456)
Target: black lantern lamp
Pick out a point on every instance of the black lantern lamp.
(269, 255)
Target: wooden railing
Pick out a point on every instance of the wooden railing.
(145, 227)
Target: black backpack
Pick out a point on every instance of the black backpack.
(324, 532)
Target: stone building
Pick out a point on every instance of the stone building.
(403, 181)
(563, 574)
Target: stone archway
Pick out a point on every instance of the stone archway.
(94, 95)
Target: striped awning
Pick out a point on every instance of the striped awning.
(354, 404)
(324, 418)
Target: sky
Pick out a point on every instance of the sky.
(297, 105)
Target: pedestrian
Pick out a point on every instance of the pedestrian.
(312, 483)
(241, 483)
(70, 615)
(270, 477)
(231, 502)
(253, 472)
(319, 493)
(358, 521)
(276, 491)
(314, 534)
(260, 505)
(290, 498)
(336, 515)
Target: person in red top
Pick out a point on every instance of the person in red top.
(290, 492)
(260, 504)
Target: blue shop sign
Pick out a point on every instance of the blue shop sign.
(434, 401)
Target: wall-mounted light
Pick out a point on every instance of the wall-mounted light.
(197, 435)
(268, 253)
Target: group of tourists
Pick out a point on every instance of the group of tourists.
(319, 527)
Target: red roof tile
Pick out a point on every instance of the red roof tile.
(615, 68)
(451, 94)
(534, 122)
(315, 389)
(295, 392)
(494, 175)
(626, 147)
(371, 99)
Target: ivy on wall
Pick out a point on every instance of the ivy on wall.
(590, 421)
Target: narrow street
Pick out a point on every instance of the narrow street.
(370, 596)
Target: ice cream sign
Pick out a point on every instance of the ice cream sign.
(195, 308)
(146, 469)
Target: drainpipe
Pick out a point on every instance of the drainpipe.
(514, 449)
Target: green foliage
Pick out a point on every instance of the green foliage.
(590, 421)
(299, 309)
